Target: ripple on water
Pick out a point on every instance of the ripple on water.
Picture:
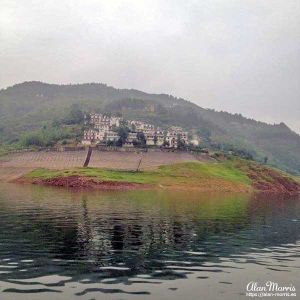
(86, 244)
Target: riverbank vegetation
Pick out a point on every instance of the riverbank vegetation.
(230, 175)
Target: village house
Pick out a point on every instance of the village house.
(175, 133)
(131, 138)
(102, 127)
(150, 137)
(160, 137)
(92, 135)
(171, 139)
(111, 136)
(139, 126)
(195, 140)
(104, 121)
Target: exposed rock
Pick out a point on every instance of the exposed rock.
(79, 182)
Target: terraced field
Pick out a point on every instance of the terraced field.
(130, 161)
(15, 165)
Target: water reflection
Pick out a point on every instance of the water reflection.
(52, 238)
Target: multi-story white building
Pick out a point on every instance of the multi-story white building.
(154, 137)
(140, 126)
(103, 121)
(171, 139)
(112, 136)
(150, 137)
(160, 137)
(175, 133)
(115, 121)
(92, 135)
(102, 127)
(132, 136)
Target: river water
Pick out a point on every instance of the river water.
(60, 244)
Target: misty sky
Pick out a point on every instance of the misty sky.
(239, 56)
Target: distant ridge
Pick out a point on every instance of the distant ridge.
(29, 105)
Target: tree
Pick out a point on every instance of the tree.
(114, 128)
(123, 133)
(32, 139)
(180, 142)
(76, 116)
(110, 143)
(205, 133)
(87, 118)
(119, 142)
(56, 123)
(166, 143)
(141, 138)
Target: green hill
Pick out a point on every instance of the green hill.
(31, 105)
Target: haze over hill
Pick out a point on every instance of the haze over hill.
(237, 56)
(31, 105)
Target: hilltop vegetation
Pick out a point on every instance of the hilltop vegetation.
(41, 109)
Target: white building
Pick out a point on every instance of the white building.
(115, 121)
(132, 136)
(160, 137)
(102, 127)
(150, 137)
(112, 136)
(140, 126)
(171, 139)
(93, 135)
(195, 140)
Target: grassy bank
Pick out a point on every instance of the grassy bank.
(231, 175)
(176, 173)
(195, 175)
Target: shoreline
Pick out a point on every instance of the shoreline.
(82, 183)
(229, 176)
(85, 183)
(77, 183)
